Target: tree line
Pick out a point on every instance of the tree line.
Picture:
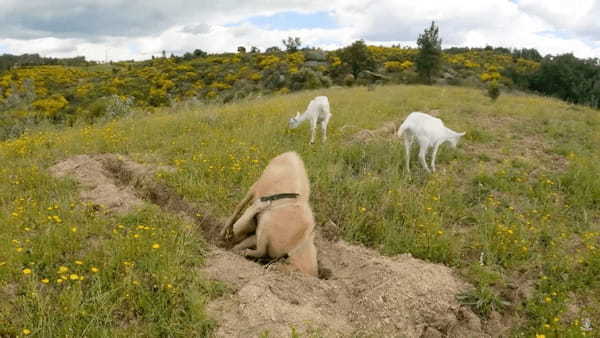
(8, 61)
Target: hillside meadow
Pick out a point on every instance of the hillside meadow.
(514, 209)
(32, 94)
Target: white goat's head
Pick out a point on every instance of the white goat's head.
(294, 121)
(455, 138)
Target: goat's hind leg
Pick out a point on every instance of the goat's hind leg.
(408, 141)
(422, 153)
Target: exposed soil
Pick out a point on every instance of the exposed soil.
(100, 185)
(366, 295)
(117, 184)
(386, 131)
(361, 293)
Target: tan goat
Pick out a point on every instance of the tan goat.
(279, 213)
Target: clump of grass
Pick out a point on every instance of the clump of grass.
(483, 301)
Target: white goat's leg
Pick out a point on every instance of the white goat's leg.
(261, 248)
(433, 156)
(408, 140)
(245, 244)
(324, 124)
(313, 128)
(422, 153)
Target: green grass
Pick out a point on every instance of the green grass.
(521, 188)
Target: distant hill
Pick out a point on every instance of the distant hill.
(65, 91)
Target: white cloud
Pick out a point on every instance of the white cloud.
(133, 30)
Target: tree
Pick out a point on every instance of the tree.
(241, 50)
(430, 53)
(569, 78)
(254, 49)
(273, 49)
(358, 57)
(199, 53)
(292, 44)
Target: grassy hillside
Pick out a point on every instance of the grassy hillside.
(515, 209)
(58, 94)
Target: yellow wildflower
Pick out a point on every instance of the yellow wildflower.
(155, 246)
(45, 280)
(26, 271)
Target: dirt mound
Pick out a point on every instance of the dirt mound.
(362, 292)
(117, 184)
(367, 294)
(101, 183)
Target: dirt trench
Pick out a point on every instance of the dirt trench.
(363, 294)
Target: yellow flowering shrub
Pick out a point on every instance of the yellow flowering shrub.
(49, 107)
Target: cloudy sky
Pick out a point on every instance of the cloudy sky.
(138, 29)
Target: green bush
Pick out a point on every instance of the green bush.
(493, 90)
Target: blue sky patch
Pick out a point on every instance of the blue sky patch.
(294, 20)
(561, 34)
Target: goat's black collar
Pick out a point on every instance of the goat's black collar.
(278, 197)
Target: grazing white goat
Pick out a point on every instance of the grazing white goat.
(429, 132)
(317, 111)
(280, 215)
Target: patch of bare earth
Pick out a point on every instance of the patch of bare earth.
(362, 292)
(386, 131)
(100, 186)
(366, 294)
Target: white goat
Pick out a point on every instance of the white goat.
(317, 111)
(429, 132)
